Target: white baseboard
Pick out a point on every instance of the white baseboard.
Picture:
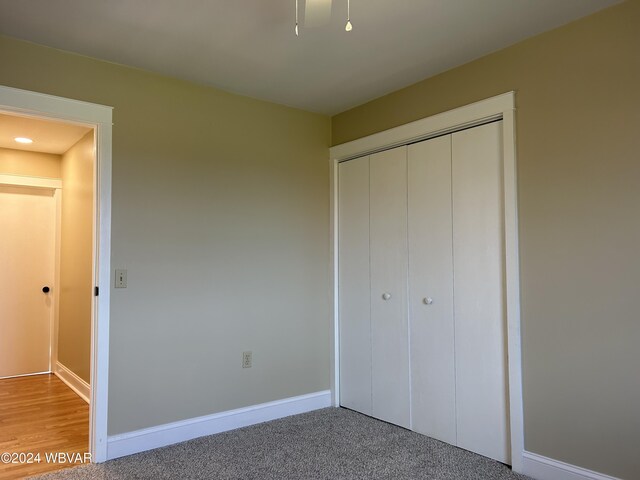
(543, 468)
(73, 381)
(176, 432)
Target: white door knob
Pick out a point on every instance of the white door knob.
(386, 296)
(427, 300)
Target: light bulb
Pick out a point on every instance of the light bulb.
(297, 35)
(348, 27)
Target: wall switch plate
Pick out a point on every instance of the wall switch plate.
(121, 279)
(246, 359)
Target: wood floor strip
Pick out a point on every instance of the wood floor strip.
(40, 414)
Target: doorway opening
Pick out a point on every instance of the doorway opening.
(46, 285)
(55, 209)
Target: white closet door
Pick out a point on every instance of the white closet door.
(433, 410)
(389, 323)
(27, 246)
(480, 329)
(353, 281)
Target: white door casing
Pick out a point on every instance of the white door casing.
(33, 104)
(482, 112)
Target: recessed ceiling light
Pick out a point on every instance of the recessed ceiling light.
(24, 140)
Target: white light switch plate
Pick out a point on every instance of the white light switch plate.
(121, 279)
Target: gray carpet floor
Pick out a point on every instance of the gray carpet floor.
(332, 443)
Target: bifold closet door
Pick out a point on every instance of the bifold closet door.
(480, 328)
(433, 410)
(389, 321)
(353, 282)
(421, 289)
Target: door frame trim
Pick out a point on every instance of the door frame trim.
(500, 107)
(33, 104)
(31, 181)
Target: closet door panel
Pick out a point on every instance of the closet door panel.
(353, 283)
(389, 325)
(480, 329)
(433, 410)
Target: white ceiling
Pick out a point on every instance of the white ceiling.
(249, 46)
(48, 136)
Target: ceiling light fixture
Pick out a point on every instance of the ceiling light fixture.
(24, 140)
(348, 27)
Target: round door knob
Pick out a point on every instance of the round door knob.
(45, 289)
(427, 300)
(386, 296)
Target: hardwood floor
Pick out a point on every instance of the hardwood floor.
(40, 414)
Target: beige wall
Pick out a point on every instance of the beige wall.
(578, 129)
(76, 254)
(220, 215)
(33, 164)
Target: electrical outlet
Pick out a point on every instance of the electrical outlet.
(246, 359)
(121, 279)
